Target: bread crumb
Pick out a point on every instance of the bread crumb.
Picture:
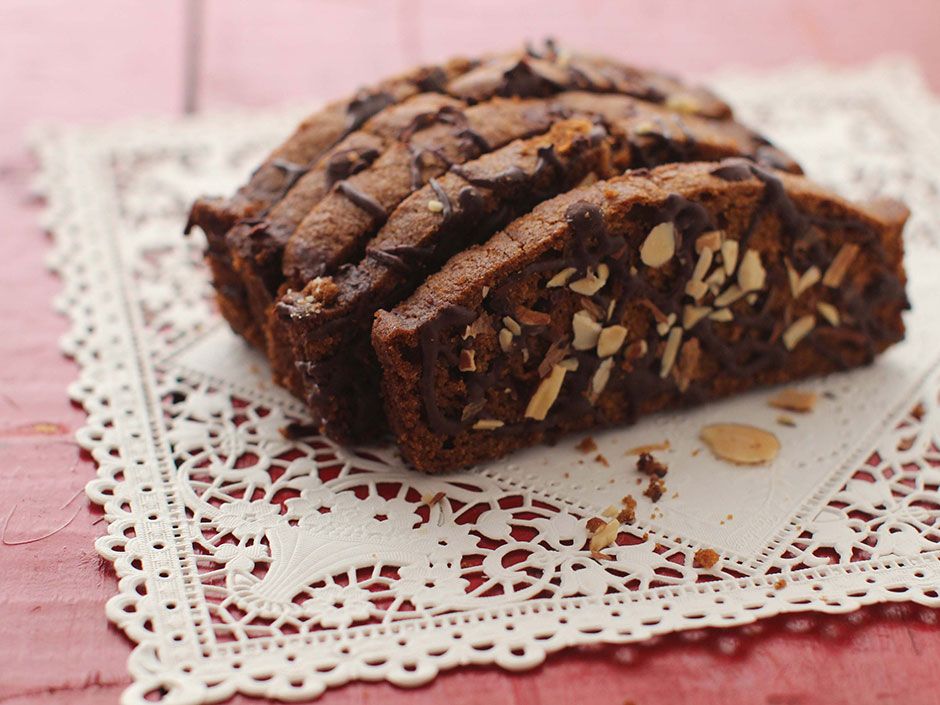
(780, 584)
(599, 458)
(655, 489)
(704, 558)
(627, 515)
(648, 465)
(587, 445)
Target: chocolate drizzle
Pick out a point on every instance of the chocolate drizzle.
(364, 106)
(759, 348)
(362, 200)
(444, 199)
(344, 163)
(292, 174)
(405, 259)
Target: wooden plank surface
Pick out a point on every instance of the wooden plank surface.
(110, 59)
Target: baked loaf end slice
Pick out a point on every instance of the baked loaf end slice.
(648, 291)
(329, 320)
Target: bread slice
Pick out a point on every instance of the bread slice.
(328, 321)
(647, 291)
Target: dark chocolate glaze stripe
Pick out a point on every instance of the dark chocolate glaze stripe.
(363, 200)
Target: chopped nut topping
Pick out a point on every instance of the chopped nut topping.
(592, 307)
(655, 489)
(587, 445)
(693, 314)
(528, 317)
(586, 330)
(467, 361)
(610, 309)
(840, 264)
(829, 312)
(475, 328)
(716, 280)
(594, 524)
(435, 206)
(704, 262)
(488, 424)
(785, 420)
(546, 394)
(722, 315)
(570, 364)
(729, 256)
(485, 291)
(686, 368)
(664, 326)
(712, 240)
(554, 355)
(751, 275)
(649, 448)
(505, 340)
(683, 103)
(610, 340)
(600, 378)
(659, 246)
(511, 324)
(561, 278)
(798, 330)
(648, 465)
(672, 349)
(592, 283)
(705, 558)
(611, 511)
(696, 289)
(729, 296)
(605, 536)
(741, 444)
(636, 350)
(794, 400)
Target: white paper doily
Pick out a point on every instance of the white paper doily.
(251, 563)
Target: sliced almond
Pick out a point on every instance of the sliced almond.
(722, 315)
(741, 444)
(586, 330)
(636, 350)
(488, 424)
(528, 317)
(696, 289)
(659, 246)
(671, 351)
(729, 296)
(729, 256)
(610, 309)
(829, 312)
(794, 400)
(751, 274)
(704, 262)
(664, 326)
(712, 240)
(601, 378)
(511, 324)
(693, 314)
(716, 279)
(840, 264)
(546, 394)
(683, 103)
(610, 340)
(570, 364)
(505, 340)
(798, 330)
(605, 536)
(467, 362)
(593, 282)
(793, 277)
(561, 278)
(649, 448)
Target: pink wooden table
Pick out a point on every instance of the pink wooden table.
(104, 60)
